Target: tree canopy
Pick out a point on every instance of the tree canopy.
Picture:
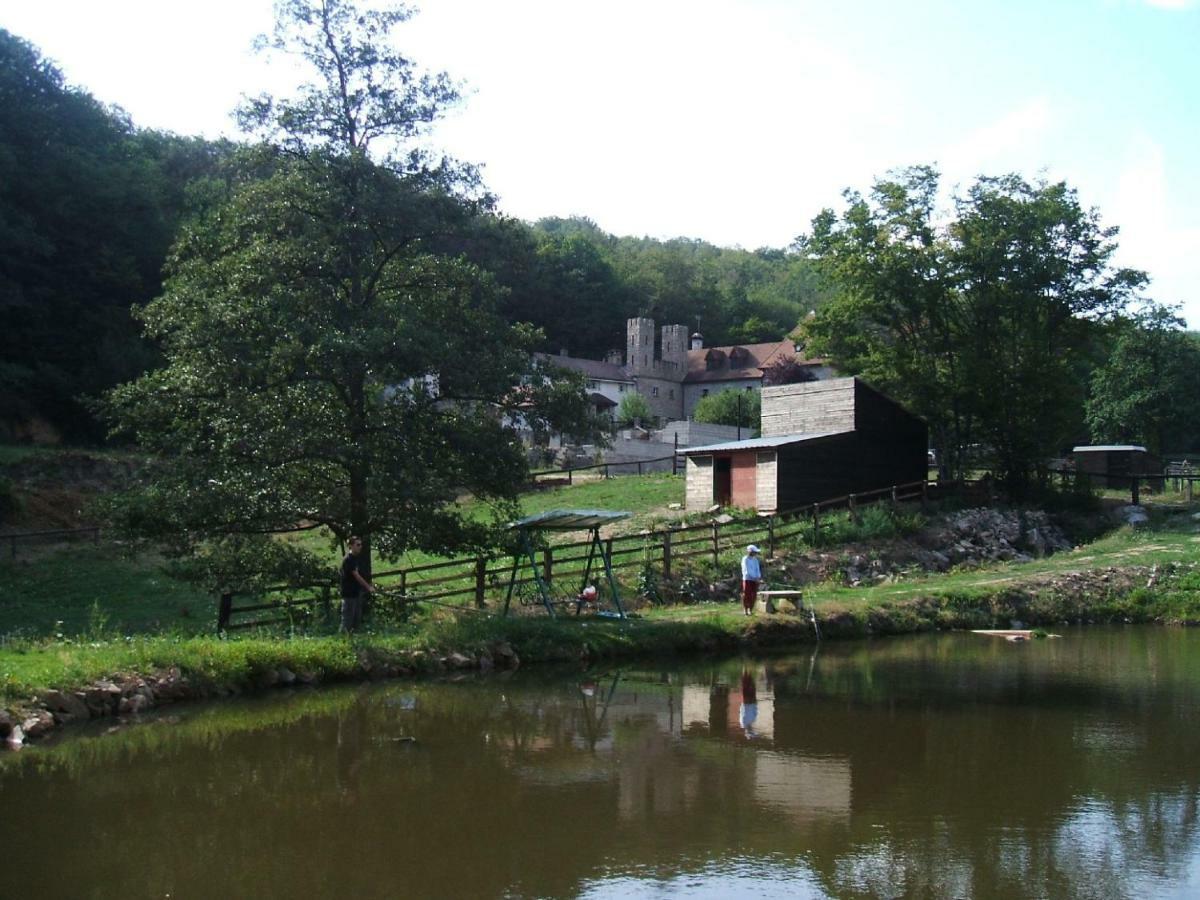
(1148, 390)
(325, 365)
(979, 318)
(733, 407)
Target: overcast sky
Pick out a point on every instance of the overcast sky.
(734, 121)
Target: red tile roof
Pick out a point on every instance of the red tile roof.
(757, 357)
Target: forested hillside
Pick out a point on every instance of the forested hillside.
(90, 205)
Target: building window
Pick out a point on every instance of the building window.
(671, 393)
(592, 386)
(620, 388)
(653, 392)
(704, 393)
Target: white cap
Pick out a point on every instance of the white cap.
(589, 591)
(752, 549)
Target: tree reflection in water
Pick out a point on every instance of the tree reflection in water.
(942, 766)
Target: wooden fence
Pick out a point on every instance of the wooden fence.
(556, 476)
(470, 582)
(52, 536)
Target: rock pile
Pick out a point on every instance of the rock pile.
(989, 535)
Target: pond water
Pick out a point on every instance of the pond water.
(936, 766)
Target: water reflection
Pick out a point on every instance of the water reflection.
(941, 766)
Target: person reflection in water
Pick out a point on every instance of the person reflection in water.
(749, 711)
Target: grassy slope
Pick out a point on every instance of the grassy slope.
(96, 593)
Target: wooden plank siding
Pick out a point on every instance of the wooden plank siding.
(810, 408)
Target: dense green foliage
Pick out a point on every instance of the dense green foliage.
(1148, 391)
(982, 325)
(634, 409)
(736, 407)
(88, 207)
(325, 366)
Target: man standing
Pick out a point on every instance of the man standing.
(354, 587)
(751, 576)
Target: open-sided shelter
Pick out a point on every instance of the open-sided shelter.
(1114, 465)
(820, 439)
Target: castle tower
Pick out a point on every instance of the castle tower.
(675, 347)
(639, 346)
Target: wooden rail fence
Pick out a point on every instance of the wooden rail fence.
(470, 582)
(57, 534)
(555, 476)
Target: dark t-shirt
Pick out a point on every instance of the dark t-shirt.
(350, 585)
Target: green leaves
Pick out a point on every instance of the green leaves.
(978, 321)
(325, 365)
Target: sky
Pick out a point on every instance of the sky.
(732, 121)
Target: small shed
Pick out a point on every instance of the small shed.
(1114, 465)
(821, 439)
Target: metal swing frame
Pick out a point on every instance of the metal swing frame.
(565, 520)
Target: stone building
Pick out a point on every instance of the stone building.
(674, 370)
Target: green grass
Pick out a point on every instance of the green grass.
(72, 614)
(646, 496)
(74, 590)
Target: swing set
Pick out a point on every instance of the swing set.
(598, 555)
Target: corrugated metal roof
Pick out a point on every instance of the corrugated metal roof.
(569, 519)
(762, 443)
(1096, 448)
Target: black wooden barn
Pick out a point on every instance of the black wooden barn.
(820, 440)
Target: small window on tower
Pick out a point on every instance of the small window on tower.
(653, 392)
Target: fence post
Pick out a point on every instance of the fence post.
(666, 555)
(1191, 482)
(1133, 490)
(403, 583)
(924, 495)
(224, 611)
(480, 578)
(716, 534)
(816, 517)
(853, 505)
(771, 535)
(570, 473)
(639, 467)
(675, 455)
(895, 499)
(548, 565)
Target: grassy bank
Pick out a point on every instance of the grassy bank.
(215, 664)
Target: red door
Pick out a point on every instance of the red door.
(743, 480)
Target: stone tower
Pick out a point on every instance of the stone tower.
(639, 346)
(675, 347)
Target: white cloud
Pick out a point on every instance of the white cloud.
(1000, 145)
(1171, 4)
(1152, 235)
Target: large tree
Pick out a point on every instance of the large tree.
(1148, 390)
(325, 366)
(977, 318)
